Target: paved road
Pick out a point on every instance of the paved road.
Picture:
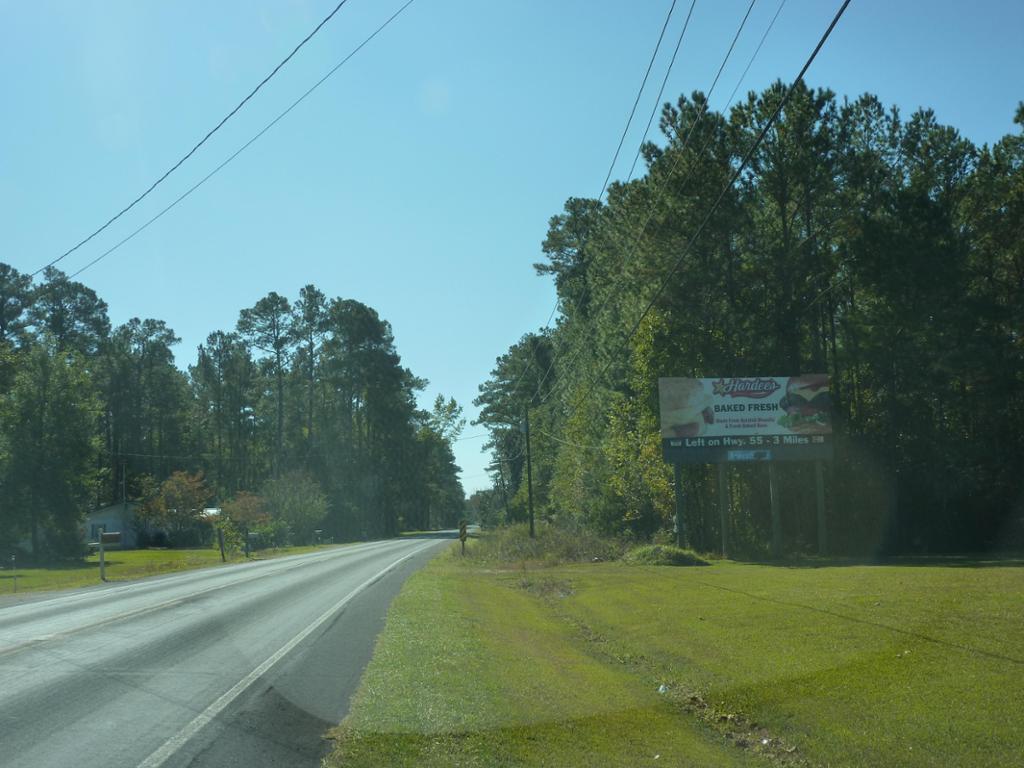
(242, 665)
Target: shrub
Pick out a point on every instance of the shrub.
(553, 544)
(662, 554)
(272, 533)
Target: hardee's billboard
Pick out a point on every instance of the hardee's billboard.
(759, 418)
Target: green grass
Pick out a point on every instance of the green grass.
(469, 672)
(916, 664)
(126, 565)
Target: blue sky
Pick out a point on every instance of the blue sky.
(420, 178)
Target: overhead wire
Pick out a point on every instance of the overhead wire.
(570, 443)
(247, 144)
(199, 144)
(639, 93)
(729, 184)
(660, 190)
(661, 91)
(615, 157)
(664, 181)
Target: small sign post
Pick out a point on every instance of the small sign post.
(107, 537)
(680, 521)
(463, 535)
(819, 487)
(14, 570)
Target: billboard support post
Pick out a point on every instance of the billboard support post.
(773, 496)
(723, 507)
(677, 469)
(764, 419)
(819, 483)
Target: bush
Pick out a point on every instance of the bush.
(234, 541)
(296, 500)
(272, 533)
(553, 544)
(662, 554)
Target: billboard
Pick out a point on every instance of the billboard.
(761, 418)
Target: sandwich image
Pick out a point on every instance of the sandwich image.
(807, 405)
(685, 408)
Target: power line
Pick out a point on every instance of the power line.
(664, 82)
(703, 111)
(639, 93)
(660, 190)
(570, 442)
(247, 144)
(202, 141)
(615, 157)
(729, 184)
(756, 51)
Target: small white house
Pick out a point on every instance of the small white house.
(116, 517)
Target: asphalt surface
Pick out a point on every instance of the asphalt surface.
(243, 665)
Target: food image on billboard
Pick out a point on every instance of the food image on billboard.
(790, 417)
(807, 405)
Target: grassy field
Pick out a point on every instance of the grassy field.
(909, 664)
(125, 565)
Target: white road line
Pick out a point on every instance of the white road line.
(176, 742)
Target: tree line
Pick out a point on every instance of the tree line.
(301, 418)
(887, 251)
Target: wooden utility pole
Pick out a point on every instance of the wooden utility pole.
(529, 469)
(124, 485)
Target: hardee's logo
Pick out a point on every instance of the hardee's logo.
(755, 389)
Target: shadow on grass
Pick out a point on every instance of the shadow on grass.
(616, 737)
(62, 565)
(978, 560)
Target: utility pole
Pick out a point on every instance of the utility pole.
(504, 490)
(529, 468)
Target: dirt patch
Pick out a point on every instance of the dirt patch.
(546, 588)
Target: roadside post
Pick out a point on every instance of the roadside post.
(773, 500)
(767, 419)
(723, 506)
(819, 485)
(14, 571)
(107, 537)
(529, 467)
(220, 541)
(463, 535)
(677, 469)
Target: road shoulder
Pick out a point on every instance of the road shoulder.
(472, 672)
